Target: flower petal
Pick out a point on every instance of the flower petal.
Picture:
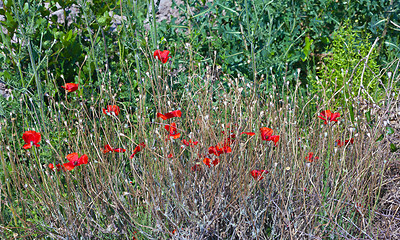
(71, 87)
(164, 56)
(107, 148)
(31, 137)
(265, 132)
(161, 116)
(175, 136)
(248, 133)
(165, 116)
(215, 162)
(257, 174)
(83, 159)
(27, 146)
(72, 157)
(157, 54)
(207, 162)
(334, 116)
(196, 167)
(119, 150)
(275, 139)
(111, 109)
(137, 149)
(69, 166)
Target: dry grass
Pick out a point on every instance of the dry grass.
(336, 196)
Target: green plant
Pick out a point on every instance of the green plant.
(351, 67)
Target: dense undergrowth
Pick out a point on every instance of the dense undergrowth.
(249, 100)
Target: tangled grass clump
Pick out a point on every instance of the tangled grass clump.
(167, 188)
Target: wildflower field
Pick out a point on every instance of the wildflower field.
(199, 119)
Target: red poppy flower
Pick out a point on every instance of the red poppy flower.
(257, 174)
(119, 150)
(248, 133)
(31, 138)
(274, 138)
(74, 161)
(111, 110)
(327, 115)
(162, 56)
(108, 148)
(190, 143)
(172, 131)
(71, 87)
(226, 149)
(266, 133)
(345, 143)
(170, 155)
(196, 167)
(339, 143)
(59, 167)
(176, 113)
(138, 148)
(207, 162)
(215, 162)
(310, 158)
(217, 150)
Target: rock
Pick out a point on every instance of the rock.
(165, 11)
(5, 92)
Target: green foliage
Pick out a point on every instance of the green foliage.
(343, 69)
(275, 38)
(393, 147)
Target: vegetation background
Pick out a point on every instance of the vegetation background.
(236, 66)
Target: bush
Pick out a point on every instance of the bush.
(351, 68)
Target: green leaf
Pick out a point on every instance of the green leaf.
(390, 130)
(104, 20)
(380, 138)
(393, 148)
(307, 48)
(351, 112)
(368, 115)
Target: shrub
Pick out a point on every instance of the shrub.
(351, 68)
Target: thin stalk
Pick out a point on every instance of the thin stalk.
(38, 85)
(92, 45)
(8, 185)
(154, 29)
